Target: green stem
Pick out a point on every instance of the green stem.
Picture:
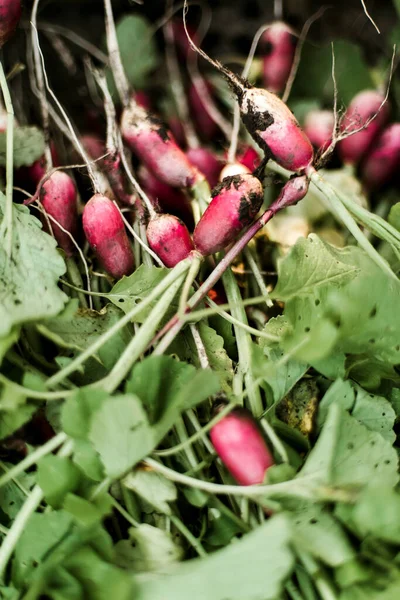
(31, 504)
(243, 342)
(198, 435)
(188, 535)
(257, 276)
(321, 582)
(34, 394)
(76, 279)
(33, 458)
(7, 223)
(295, 488)
(124, 513)
(191, 276)
(142, 338)
(157, 291)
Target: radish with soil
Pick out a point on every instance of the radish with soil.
(235, 202)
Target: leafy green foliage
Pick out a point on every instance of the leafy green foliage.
(138, 49)
(76, 329)
(29, 277)
(339, 302)
(239, 571)
(28, 146)
(314, 77)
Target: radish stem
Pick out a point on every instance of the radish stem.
(6, 228)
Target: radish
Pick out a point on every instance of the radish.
(268, 120)
(205, 125)
(177, 130)
(10, 14)
(235, 202)
(362, 108)
(105, 231)
(241, 447)
(169, 238)
(168, 198)
(292, 192)
(59, 199)
(206, 161)
(384, 159)
(149, 138)
(143, 99)
(318, 126)
(279, 45)
(248, 156)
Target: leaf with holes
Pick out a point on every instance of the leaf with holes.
(28, 146)
(29, 277)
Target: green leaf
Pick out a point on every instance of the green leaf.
(14, 411)
(12, 496)
(100, 580)
(279, 371)
(28, 146)
(57, 476)
(79, 409)
(314, 77)
(87, 513)
(185, 347)
(253, 568)
(344, 306)
(128, 292)
(138, 49)
(29, 278)
(7, 341)
(375, 514)
(156, 380)
(153, 488)
(121, 434)
(316, 531)
(40, 534)
(348, 454)
(311, 264)
(80, 328)
(150, 550)
(167, 387)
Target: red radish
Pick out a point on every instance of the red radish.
(363, 106)
(384, 159)
(235, 202)
(292, 192)
(177, 130)
(169, 238)
(279, 45)
(59, 199)
(143, 99)
(318, 126)
(112, 166)
(269, 121)
(10, 14)
(274, 128)
(241, 447)
(206, 161)
(248, 156)
(93, 145)
(205, 125)
(180, 37)
(148, 137)
(105, 231)
(170, 199)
